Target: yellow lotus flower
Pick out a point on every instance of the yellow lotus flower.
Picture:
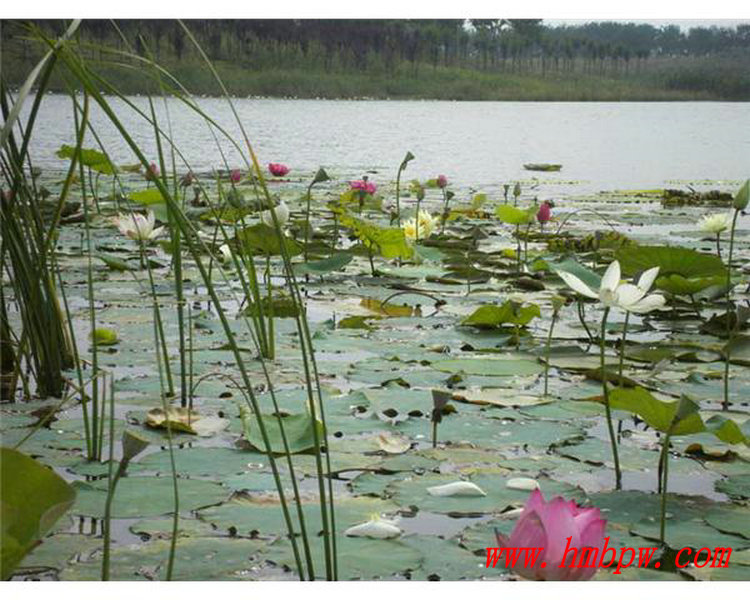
(420, 227)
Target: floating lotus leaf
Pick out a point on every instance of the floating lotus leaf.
(335, 262)
(737, 486)
(262, 513)
(359, 558)
(197, 559)
(509, 313)
(202, 462)
(145, 496)
(414, 493)
(298, 429)
(495, 367)
(730, 519)
(88, 157)
(148, 197)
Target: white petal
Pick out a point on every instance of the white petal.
(611, 278)
(458, 488)
(155, 233)
(378, 528)
(525, 484)
(577, 285)
(649, 303)
(628, 294)
(647, 279)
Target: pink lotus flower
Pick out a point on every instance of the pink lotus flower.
(442, 181)
(235, 176)
(152, 172)
(363, 185)
(563, 530)
(278, 169)
(545, 213)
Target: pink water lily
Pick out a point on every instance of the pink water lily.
(545, 213)
(442, 181)
(235, 176)
(278, 169)
(362, 185)
(557, 526)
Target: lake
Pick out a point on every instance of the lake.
(602, 145)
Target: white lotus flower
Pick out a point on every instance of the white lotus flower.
(715, 223)
(226, 254)
(137, 227)
(282, 215)
(457, 488)
(376, 527)
(615, 294)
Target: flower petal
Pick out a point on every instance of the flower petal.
(577, 285)
(457, 488)
(611, 278)
(649, 303)
(628, 294)
(377, 528)
(647, 279)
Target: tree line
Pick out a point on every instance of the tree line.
(412, 47)
(485, 44)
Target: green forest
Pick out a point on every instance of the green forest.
(472, 59)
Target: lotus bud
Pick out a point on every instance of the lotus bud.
(278, 169)
(409, 157)
(557, 303)
(132, 445)
(442, 181)
(320, 176)
(742, 197)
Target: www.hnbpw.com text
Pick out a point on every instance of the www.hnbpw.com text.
(622, 557)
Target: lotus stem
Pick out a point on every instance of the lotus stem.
(622, 348)
(665, 477)
(549, 343)
(725, 403)
(607, 409)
